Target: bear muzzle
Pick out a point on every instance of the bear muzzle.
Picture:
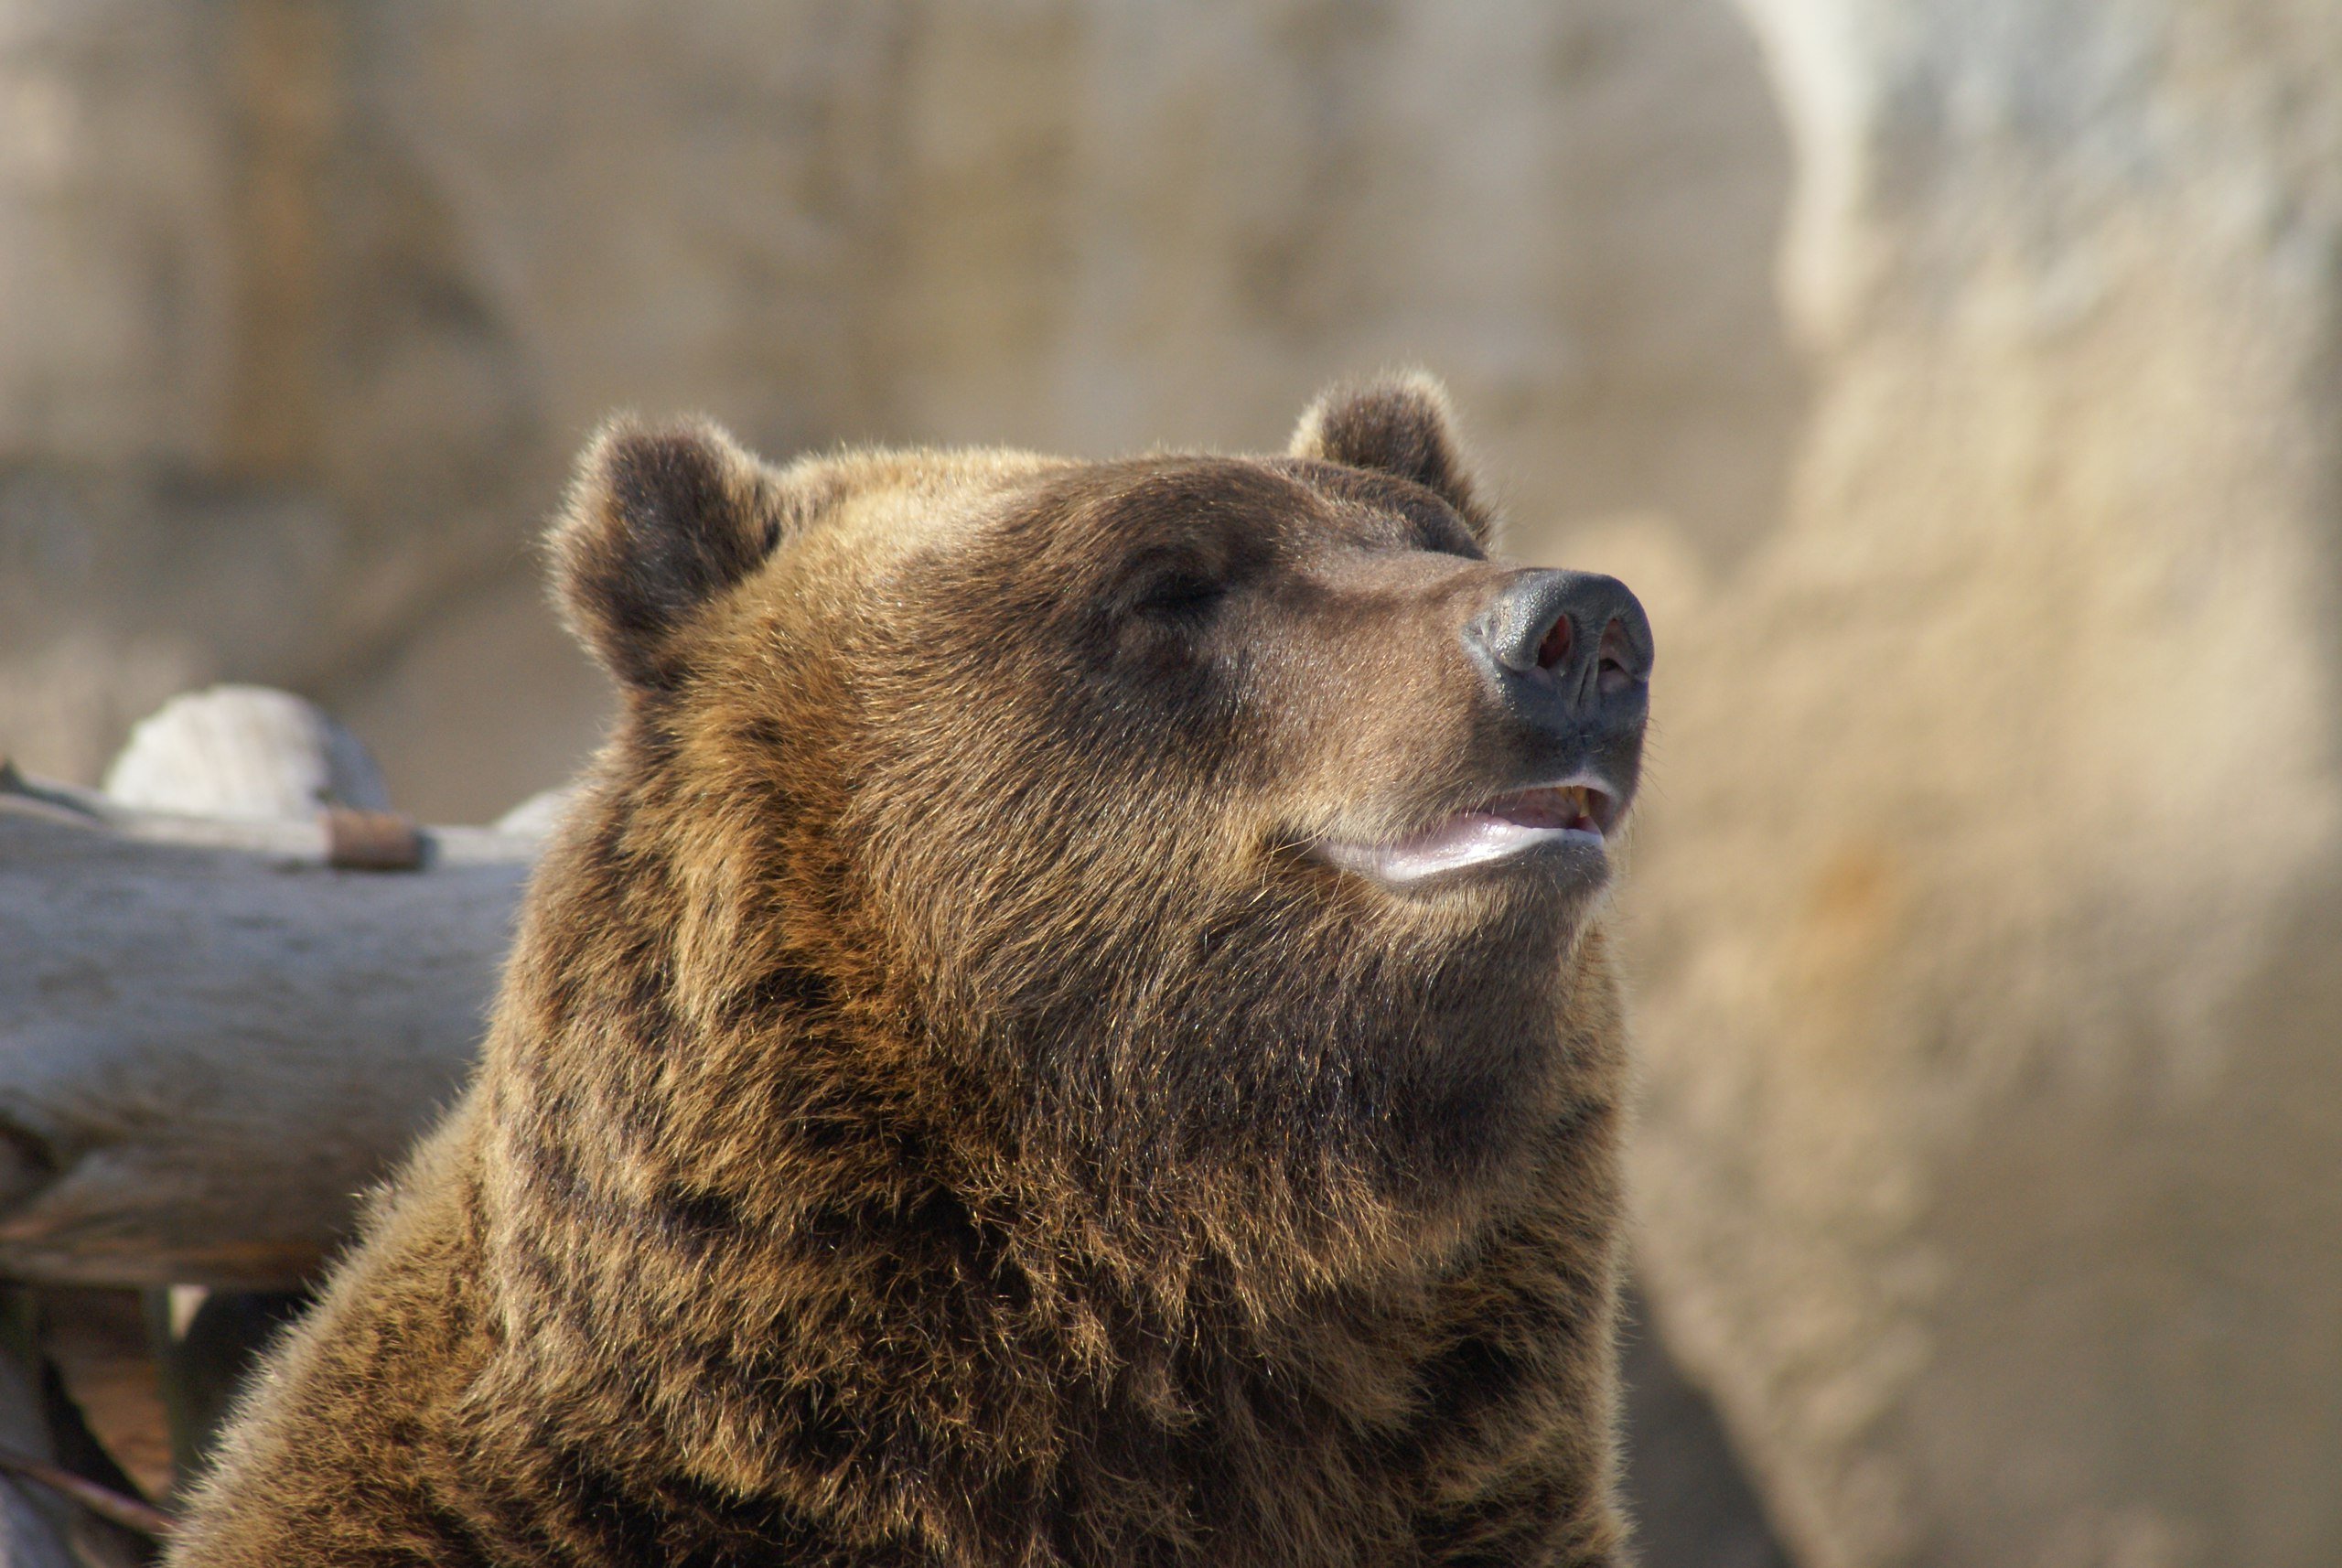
(1564, 661)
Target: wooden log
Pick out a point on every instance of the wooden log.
(212, 1039)
(152, 1400)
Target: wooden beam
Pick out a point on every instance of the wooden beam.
(212, 1039)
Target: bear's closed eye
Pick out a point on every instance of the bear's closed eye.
(1180, 596)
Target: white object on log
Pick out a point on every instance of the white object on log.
(247, 752)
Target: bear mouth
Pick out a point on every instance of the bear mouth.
(1577, 815)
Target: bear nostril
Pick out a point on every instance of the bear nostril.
(1555, 648)
(1573, 633)
(1615, 668)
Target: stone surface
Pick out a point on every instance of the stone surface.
(334, 289)
(1988, 901)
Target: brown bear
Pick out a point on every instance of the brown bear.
(1068, 1025)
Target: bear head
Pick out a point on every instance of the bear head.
(1181, 857)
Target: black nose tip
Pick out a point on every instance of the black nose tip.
(1585, 634)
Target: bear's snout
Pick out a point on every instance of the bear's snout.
(1572, 636)
(1569, 656)
(1563, 663)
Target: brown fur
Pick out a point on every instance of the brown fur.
(938, 1114)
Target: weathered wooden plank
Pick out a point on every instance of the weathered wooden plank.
(211, 1040)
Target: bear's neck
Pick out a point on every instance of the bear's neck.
(748, 1255)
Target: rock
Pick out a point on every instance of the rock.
(337, 289)
(485, 702)
(1986, 908)
(268, 411)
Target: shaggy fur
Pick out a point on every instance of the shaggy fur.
(938, 1111)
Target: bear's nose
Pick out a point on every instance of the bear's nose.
(1577, 637)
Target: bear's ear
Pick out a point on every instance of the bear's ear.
(1396, 423)
(661, 519)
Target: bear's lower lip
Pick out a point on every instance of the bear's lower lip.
(1576, 816)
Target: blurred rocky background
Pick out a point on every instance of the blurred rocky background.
(1959, 380)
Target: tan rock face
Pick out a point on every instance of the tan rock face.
(257, 401)
(333, 289)
(1991, 892)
